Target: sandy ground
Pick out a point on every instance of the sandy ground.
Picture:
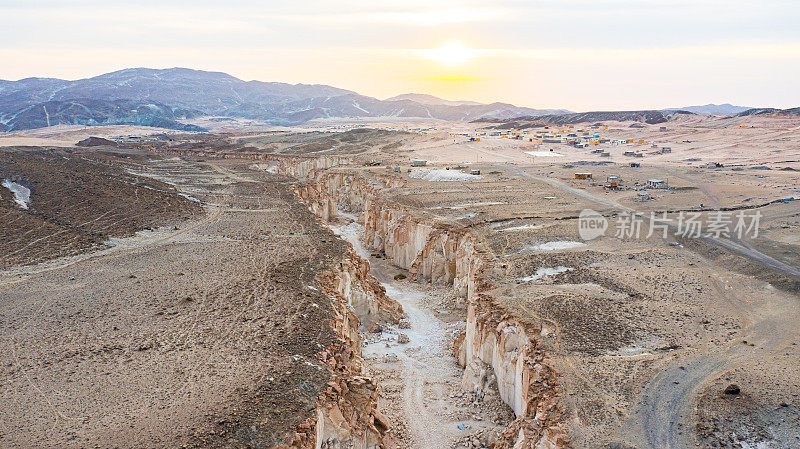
(645, 332)
(194, 336)
(693, 141)
(69, 135)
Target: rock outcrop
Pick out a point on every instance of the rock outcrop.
(347, 415)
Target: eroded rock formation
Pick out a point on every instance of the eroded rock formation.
(347, 415)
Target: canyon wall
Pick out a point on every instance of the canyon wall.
(347, 415)
(525, 379)
(302, 166)
(444, 254)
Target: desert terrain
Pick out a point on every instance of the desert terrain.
(311, 287)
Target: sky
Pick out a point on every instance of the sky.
(572, 54)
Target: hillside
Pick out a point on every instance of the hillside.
(125, 97)
(649, 117)
(101, 112)
(430, 100)
(770, 111)
(712, 109)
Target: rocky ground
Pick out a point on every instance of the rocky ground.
(77, 201)
(646, 333)
(638, 328)
(203, 334)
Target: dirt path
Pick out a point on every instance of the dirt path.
(664, 416)
(423, 372)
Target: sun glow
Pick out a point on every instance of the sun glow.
(450, 54)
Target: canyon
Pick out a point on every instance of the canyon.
(438, 254)
(307, 288)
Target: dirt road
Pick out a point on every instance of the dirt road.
(664, 417)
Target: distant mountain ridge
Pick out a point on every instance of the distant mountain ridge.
(431, 100)
(649, 117)
(770, 111)
(713, 109)
(156, 97)
(165, 97)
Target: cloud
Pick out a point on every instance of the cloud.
(743, 50)
(449, 78)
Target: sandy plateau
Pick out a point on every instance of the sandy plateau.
(298, 288)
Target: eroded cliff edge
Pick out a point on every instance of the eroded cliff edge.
(444, 254)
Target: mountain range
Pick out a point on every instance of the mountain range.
(166, 98)
(152, 97)
(713, 109)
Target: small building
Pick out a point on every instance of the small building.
(657, 184)
(629, 153)
(635, 164)
(643, 196)
(662, 129)
(418, 162)
(666, 150)
(475, 172)
(582, 175)
(612, 182)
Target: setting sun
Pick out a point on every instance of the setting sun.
(450, 54)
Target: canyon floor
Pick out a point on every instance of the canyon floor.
(183, 306)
